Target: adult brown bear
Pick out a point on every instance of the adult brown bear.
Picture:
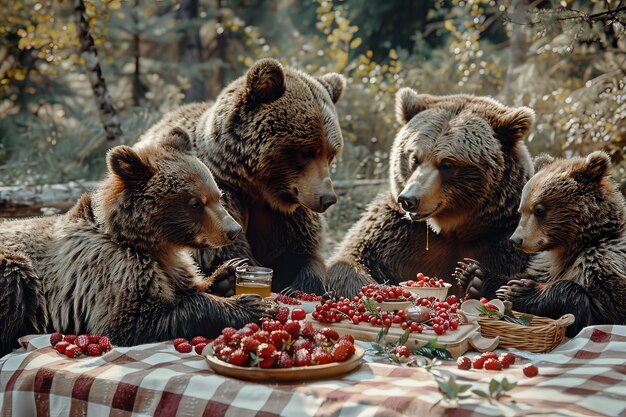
(269, 140)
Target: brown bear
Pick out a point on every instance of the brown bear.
(117, 263)
(269, 140)
(457, 167)
(574, 218)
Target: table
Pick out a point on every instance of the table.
(584, 376)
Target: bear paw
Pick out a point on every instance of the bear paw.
(224, 278)
(517, 289)
(469, 275)
(251, 308)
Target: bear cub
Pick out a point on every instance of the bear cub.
(117, 263)
(574, 220)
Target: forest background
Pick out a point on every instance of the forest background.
(565, 59)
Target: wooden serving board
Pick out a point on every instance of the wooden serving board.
(458, 341)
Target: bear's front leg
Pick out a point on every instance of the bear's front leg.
(476, 280)
(550, 300)
(222, 281)
(346, 278)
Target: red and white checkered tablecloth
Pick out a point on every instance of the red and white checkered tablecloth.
(584, 376)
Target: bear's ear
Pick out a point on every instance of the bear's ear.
(179, 140)
(409, 103)
(334, 83)
(265, 82)
(541, 161)
(595, 168)
(513, 125)
(124, 162)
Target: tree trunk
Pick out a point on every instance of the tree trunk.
(139, 89)
(518, 47)
(190, 49)
(106, 108)
(221, 48)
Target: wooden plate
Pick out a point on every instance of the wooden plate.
(299, 373)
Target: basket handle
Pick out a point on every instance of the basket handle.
(565, 320)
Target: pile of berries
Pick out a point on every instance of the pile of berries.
(282, 345)
(198, 343)
(491, 362)
(424, 281)
(303, 296)
(73, 346)
(284, 299)
(380, 293)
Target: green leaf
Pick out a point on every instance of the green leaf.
(508, 385)
(525, 319)
(405, 336)
(464, 387)
(480, 393)
(493, 385)
(378, 347)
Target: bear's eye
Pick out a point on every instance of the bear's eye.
(539, 211)
(195, 203)
(416, 159)
(446, 165)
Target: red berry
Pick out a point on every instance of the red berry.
(302, 357)
(94, 349)
(55, 338)
(463, 362)
(280, 339)
(478, 362)
(347, 338)
(198, 339)
(492, 364)
(69, 338)
(489, 355)
(307, 329)
(82, 342)
(253, 326)
(484, 300)
(179, 341)
(320, 356)
(61, 346)
(298, 314)
(249, 344)
(228, 333)
(284, 360)
(307, 344)
(93, 339)
(504, 361)
(530, 370)
(72, 351)
(265, 353)
(282, 315)
(239, 358)
(403, 351)
(293, 328)
(342, 352)
(271, 325)
(184, 347)
(263, 336)
(105, 344)
(451, 299)
(510, 357)
(199, 348)
(330, 333)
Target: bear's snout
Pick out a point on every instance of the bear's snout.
(327, 200)
(409, 203)
(233, 232)
(516, 242)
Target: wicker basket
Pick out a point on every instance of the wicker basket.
(541, 336)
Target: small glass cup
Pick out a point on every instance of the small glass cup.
(253, 280)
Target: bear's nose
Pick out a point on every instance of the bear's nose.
(233, 232)
(409, 203)
(516, 242)
(327, 200)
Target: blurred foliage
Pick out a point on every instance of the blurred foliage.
(572, 71)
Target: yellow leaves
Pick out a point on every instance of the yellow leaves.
(448, 25)
(355, 43)
(115, 4)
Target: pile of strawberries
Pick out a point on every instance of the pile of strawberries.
(198, 343)
(491, 362)
(424, 281)
(279, 344)
(73, 346)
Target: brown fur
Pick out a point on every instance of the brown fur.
(461, 160)
(574, 218)
(269, 139)
(117, 263)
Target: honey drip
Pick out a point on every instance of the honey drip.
(426, 234)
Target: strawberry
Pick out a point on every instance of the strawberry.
(93, 338)
(283, 314)
(330, 333)
(72, 351)
(463, 362)
(105, 344)
(320, 356)
(298, 314)
(307, 344)
(249, 344)
(505, 361)
(492, 364)
(509, 357)
(271, 325)
(198, 339)
(239, 358)
(55, 338)
(93, 349)
(61, 346)
(293, 328)
(184, 347)
(266, 354)
(490, 306)
(179, 341)
(280, 339)
(228, 333)
(307, 329)
(253, 326)
(402, 351)
(219, 342)
(530, 370)
(348, 338)
(82, 342)
(223, 353)
(199, 348)
(284, 360)
(302, 357)
(263, 336)
(484, 300)
(69, 338)
(320, 339)
(489, 355)
(342, 352)
(236, 339)
(478, 362)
